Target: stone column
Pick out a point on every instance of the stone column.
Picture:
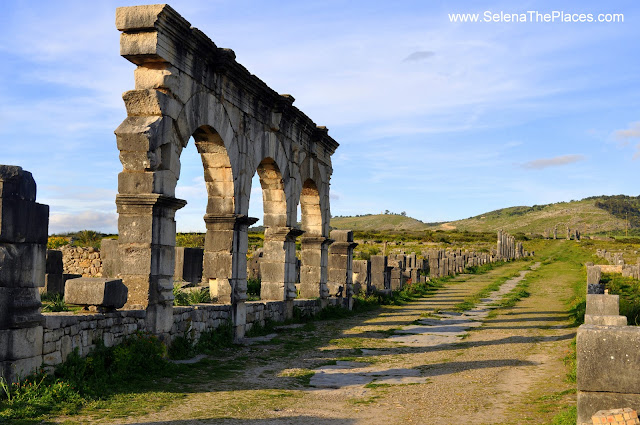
(54, 283)
(379, 272)
(146, 249)
(361, 276)
(593, 280)
(313, 272)
(499, 244)
(555, 232)
(278, 263)
(23, 243)
(341, 264)
(224, 264)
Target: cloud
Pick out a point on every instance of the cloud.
(539, 164)
(633, 132)
(93, 220)
(418, 56)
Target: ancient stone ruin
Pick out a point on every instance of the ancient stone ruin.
(187, 87)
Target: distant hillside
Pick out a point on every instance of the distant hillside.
(590, 215)
(373, 222)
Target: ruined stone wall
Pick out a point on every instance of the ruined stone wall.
(85, 261)
(608, 354)
(64, 332)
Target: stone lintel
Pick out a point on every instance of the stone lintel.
(283, 233)
(150, 35)
(147, 200)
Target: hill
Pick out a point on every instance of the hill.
(597, 214)
(379, 222)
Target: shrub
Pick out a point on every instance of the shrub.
(55, 242)
(253, 287)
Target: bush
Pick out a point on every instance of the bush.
(87, 238)
(253, 288)
(55, 242)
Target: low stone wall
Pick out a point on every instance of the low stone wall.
(64, 332)
(81, 260)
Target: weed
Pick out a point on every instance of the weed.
(53, 303)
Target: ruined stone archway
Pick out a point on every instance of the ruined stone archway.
(185, 85)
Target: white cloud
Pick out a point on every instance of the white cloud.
(539, 164)
(633, 132)
(418, 56)
(86, 220)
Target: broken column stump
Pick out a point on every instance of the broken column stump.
(23, 243)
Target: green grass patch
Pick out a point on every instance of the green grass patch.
(628, 289)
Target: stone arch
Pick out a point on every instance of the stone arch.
(187, 86)
(274, 198)
(311, 211)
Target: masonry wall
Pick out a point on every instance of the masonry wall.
(85, 261)
(64, 331)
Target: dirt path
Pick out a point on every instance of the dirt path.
(370, 369)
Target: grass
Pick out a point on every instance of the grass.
(53, 303)
(628, 289)
(470, 302)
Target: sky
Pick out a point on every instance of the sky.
(441, 120)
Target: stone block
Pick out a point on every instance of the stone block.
(13, 370)
(54, 262)
(94, 291)
(53, 284)
(109, 256)
(23, 221)
(605, 320)
(19, 307)
(589, 403)
(342, 235)
(16, 183)
(188, 264)
(21, 343)
(593, 275)
(22, 265)
(603, 305)
(605, 355)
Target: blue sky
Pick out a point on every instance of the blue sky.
(441, 120)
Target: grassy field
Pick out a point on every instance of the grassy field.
(583, 215)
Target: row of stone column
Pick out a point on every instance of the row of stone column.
(390, 273)
(575, 234)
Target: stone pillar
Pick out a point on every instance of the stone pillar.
(397, 277)
(499, 244)
(224, 264)
(188, 266)
(341, 264)
(278, 264)
(23, 243)
(53, 281)
(378, 272)
(146, 249)
(109, 257)
(593, 280)
(360, 276)
(555, 232)
(313, 272)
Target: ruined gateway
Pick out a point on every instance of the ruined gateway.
(187, 86)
